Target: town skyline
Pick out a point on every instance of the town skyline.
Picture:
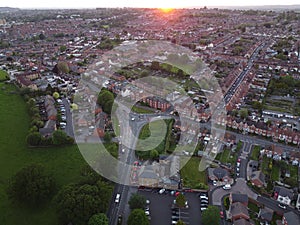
(33, 4)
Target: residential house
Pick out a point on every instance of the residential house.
(265, 214)
(238, 211)
(290, 218)
(285, 195)
(219, 174)
(242, 222)
(257, 178)
(237, 197)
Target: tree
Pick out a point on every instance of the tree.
(107, 137)
(55, 95)
(243, 113)
(180, 222)
(106, 100)
(61, 67)
(154, 154)
(137, 201)
(34, 138)
(180, 200)
(98, 219)
(31, 186)
(77, 203)
(62, 48)
(138, 217)
(211, 216)
(59, 137)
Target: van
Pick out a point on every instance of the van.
(227, 187)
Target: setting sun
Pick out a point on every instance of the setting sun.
(166, 10)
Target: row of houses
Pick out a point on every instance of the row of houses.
(260, 128)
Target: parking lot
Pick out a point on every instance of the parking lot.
(161, 207)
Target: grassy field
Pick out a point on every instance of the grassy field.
(255, 152)
(137, 109)
(3, 75)
(191, 175)
(64, 163)
(223, 156)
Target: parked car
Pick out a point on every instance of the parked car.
(227, 187)
(281, 205)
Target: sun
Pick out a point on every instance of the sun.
(166, 10)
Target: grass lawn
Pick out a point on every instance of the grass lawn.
(223, 156)
(275, 173)
(64, 163)
(191, 175)
(137, 109)
(3, 75)
(255, 153)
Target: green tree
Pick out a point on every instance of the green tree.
(138, 217)
(106, 100)
(137, 201)
(107, 137)
(34, 138)
(180, 222)
(63, 67)
(98, 219)
(31, 186)
(180, 200)
(56, 95)
(62, 48)
(211, 216)
(154, 154)
(244, 113)
(77, 203)
(59, 137)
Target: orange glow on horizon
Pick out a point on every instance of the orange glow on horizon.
(166, 10)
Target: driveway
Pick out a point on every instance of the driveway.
(240, 186)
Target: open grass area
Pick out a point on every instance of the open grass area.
(153, 136)
(64, 163)
(140, 110)
(223, 156)
(3, 75)
(255, 152)
(275, 173)
(192, 177)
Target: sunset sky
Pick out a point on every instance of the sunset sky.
(138, 3)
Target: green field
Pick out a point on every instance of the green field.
(255, 152)
(3, 75)
(140, 110)
(192, 177)
(64, 163)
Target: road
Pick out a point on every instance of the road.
(240, 78)
(69, 127)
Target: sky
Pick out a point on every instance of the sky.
(138, 3)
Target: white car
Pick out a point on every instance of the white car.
(117, 200)
(161, 191)
(227, 187)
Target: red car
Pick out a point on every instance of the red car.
(221, 214)
(239, 160)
